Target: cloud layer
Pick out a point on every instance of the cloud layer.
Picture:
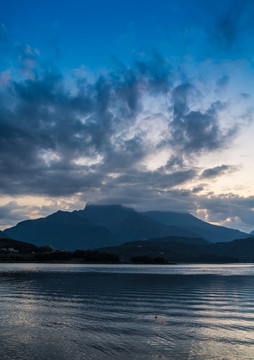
(59, 138)
(137, 134)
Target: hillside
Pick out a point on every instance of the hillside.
(179, 249)
(109, 225)
(62, 230)
(189, 222)
(241, 248)
(3, 235)
(126, 224)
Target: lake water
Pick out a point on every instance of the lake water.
(108, 312)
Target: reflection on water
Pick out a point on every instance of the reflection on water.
(108, 312)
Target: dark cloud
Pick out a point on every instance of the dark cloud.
(12, 212)
(44, 129)
(231, 210)
(158, 73)
(60, 139)
(143, 199)
(195, 131)
(216, 171)
(61, 136)
(223, 81)
(154, 179)
(197, 189)
(234, 210)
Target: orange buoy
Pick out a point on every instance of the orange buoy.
(162, 322)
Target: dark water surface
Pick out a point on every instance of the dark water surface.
(108, 312)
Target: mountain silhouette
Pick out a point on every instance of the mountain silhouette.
(126, 224)
(190, 250)
(3, 235)
(213, 233)
(62, 230)
(109, 225)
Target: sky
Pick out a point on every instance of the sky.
(148, 104)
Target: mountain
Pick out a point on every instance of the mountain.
(126, 224)
(108, 225)
(180, 249)
(3, 235)
(241, 248)
(62, 230)
(189, 222)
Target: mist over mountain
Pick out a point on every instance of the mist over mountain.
(126, 224)
(109, 225)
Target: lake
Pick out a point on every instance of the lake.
(50, 311)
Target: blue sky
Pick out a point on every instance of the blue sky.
(144, 103)
(97, 32)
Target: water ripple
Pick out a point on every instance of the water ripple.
(63, 312)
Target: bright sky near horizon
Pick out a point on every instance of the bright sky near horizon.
(144, 103)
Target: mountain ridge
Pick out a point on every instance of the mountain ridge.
(58, 227)
(204, 229)
(175, 249)
(98, 226)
